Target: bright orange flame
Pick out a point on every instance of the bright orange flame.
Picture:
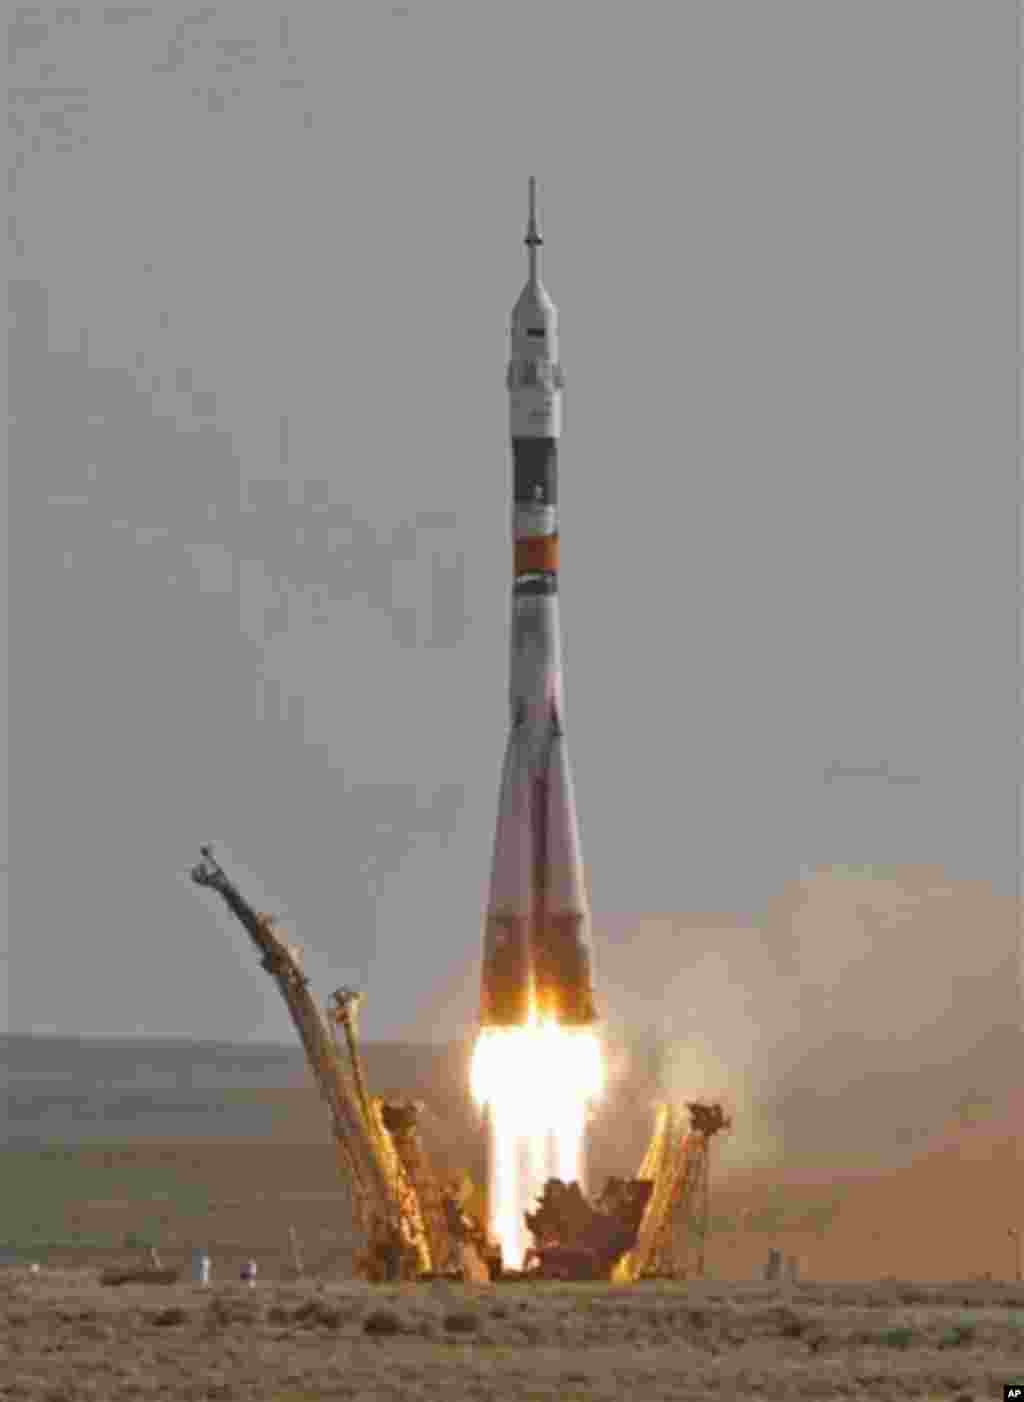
(536, 1081)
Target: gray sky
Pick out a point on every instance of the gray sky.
(263, 259)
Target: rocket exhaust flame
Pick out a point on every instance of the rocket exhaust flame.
(536, 1082)
(537, 1061)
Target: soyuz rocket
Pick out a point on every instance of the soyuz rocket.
(537, 936)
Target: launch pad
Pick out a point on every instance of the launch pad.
(416, 1227)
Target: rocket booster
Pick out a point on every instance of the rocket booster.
(537, 937)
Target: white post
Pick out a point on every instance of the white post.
(296, 1253)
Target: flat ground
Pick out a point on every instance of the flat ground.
(70, 1338)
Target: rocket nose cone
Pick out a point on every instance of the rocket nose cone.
(534, 307)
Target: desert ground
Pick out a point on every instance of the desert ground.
(68, 1338)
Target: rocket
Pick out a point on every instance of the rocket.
(537, 929)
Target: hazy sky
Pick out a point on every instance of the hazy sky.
(263, 259)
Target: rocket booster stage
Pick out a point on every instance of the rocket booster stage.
(537, 939)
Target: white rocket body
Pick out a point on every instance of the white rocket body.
(537, 957)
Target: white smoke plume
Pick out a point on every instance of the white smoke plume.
(863, 1003)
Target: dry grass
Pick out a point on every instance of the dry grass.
(70, 1338)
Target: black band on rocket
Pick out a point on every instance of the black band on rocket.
(528, 585)
(535, 462)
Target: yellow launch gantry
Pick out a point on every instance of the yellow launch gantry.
(396, 1199)
(677, 1164)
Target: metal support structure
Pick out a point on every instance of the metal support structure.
(386, 1202)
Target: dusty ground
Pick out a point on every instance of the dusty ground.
(69, 1338)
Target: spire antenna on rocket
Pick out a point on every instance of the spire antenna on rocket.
(533, 238)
